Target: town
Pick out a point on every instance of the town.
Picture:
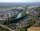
(19, 18)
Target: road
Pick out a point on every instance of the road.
(6, 27)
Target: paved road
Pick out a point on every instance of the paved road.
(6, 27)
